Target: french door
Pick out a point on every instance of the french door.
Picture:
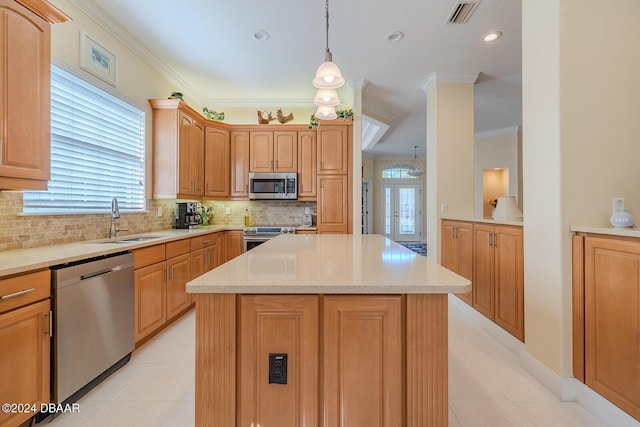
(402, 208)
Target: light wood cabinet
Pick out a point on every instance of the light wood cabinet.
(25, 343)
(457, 251)
(307, 166)
(178, 150)
(160, 275)
(233, 243)
(492, 257)
(240, 165)
(333, 149)
(606, 322)
(217, 151)
(278, 324)
(362, 361)
(333, 204)
(273, 151)
(25, 87)
(204, 253)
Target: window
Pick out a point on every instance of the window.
(400, 171)
(97, 151)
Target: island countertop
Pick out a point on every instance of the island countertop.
(330, 264)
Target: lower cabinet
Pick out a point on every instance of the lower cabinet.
(161, 273)
(25, 344)
(233, 243)
(606, 307)
(492, 257)
(344, 360)
(333, 204)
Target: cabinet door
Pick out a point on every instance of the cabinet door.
(233, 244)
(198, 265)
(24, 98)
(197, 157)
(457, 251)
(216, 163)
(307, 165)
(483, 292)
(261, 151)
(362, 364)
(240, 165)
(24, 359)
(278, 324)
(612, 321)
(150, 285)
(179, 273)
(333, 199)
(333, 149)
(185, 178)
(509, 280)
(285, 151)
(211, 258)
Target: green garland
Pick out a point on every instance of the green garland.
(213, 115)
(346, 113)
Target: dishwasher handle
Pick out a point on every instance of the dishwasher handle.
(100, 273)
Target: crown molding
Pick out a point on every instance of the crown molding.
(434, 78)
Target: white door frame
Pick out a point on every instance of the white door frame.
(367, 206)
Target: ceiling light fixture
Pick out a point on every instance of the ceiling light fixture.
(492, 36)
(261, 35)
(419, 170)
(327, 79)
(396, 36)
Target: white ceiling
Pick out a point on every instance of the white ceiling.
(208, 47)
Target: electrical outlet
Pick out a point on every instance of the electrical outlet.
(444, 208)
(277, 368)
(618, 204)
(227, 210)
(160, 212)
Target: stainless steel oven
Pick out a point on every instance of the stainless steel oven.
(255, 236)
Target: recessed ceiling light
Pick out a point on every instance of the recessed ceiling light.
(492, 36)
(396, 36)
(261, 35)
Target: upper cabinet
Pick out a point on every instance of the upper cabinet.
(178, 151)
(240, 165)
(307, 166)
(333, 149)
(25, 86)
(216, 163)
(274, 151)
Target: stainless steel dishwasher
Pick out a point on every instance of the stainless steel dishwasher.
(93, 322)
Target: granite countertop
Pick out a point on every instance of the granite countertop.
(611, 231)
(330, 263)
(485, 220)
(23, 260)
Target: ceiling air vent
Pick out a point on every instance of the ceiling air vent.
(462, 11)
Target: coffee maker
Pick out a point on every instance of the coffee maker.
(186, 215)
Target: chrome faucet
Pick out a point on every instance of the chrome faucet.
(115, 214)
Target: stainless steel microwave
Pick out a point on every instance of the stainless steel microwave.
(273, 186)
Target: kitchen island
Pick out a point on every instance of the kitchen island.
(323, 330)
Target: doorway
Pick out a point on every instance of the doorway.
(402, 207)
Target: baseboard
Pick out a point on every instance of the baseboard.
(566, 389)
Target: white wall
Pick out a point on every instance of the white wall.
(580, 148)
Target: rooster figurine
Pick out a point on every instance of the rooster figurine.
(262, 120)
(282, 118)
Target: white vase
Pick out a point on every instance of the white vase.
(507, 209)
(622, 219)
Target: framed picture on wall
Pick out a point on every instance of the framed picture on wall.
(97, 59)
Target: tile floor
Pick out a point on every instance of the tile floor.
(487, 387)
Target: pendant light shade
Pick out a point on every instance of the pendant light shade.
(419, 170)
(328, 78)
(326, 97)
(326, 112)
(328, 75)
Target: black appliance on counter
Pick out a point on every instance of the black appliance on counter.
(187, 216)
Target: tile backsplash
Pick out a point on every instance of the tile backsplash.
(19, 231)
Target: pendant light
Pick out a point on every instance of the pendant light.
(418, 171)
(328, 78)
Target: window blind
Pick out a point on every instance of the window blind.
(97, 151)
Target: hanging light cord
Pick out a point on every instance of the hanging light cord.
(327, 32)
